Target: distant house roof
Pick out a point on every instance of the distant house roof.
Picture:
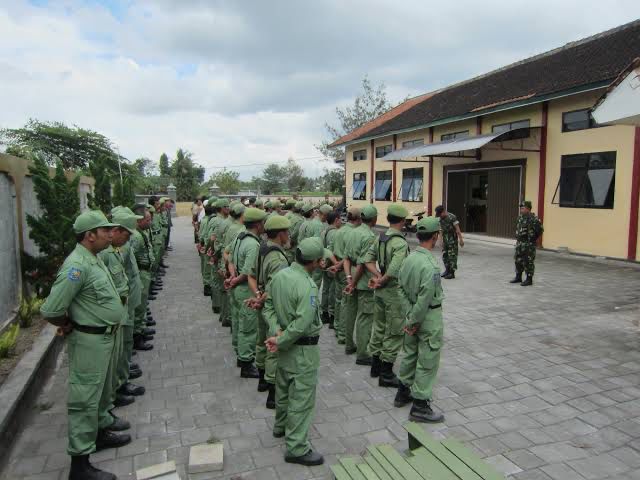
(577, 66)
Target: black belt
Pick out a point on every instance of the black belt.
(433, 307)
(146, 269)
(308, 340)
(111, 329)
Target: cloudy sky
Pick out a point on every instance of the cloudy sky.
(252, 81)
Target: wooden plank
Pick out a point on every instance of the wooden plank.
(384, 463)
(399, 462)
(429, 466)
(376, 467)
(350, 466)
(368, 472)
(417, 437)
(339, 472)
(473, 461)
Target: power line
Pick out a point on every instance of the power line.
(317, 157)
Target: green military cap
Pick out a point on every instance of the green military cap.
(163, 199)
(325, 209)
(428, 225)
(311, 249)
(369, 211)
(276, 204)
(259, 203)
(299, 205)
(277, 222)
(126, 220)
(307, 207)
(238, 208)
(398, 210)
(222, 203)
(291, 202)
(90, 220)
(526, 204)
(142, 205)
(254, 215)
(267, 204)
(213, 200)
(152, 209)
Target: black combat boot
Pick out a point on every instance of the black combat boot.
(451, 274)
(263, 386)
(150, 321)
(134, 366)
(81, 469)
(216, 310)
(421, 412)
(207, 290)
(518, 278)
(403, 396)
(140, 344)
(149, 331)
(151, 297)
(108, 439)
(249, 370)
(271, 397)
(528, 281)
(119, 424)
(123, 400)
(387, 377)
(325, 317)
(331, 322)
(131, 389)
(375, 366)
(309, 459)
(134, 373)
(445, 273)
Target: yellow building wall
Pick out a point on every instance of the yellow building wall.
(361, 166)
(587, 230)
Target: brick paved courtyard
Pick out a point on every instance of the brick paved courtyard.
(543, 382)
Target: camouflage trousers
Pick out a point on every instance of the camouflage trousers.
(450, 255)
(525, 257)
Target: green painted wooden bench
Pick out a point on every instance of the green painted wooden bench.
(429, 459)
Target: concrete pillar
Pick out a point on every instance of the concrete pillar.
(171, 193)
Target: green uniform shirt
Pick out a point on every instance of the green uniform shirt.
(211, 226)
(202, 231)
(270, 264)
(230, 235)
(448, 227)
(84, 288)
(112, 259)
(420, 284)
(339, 241)
(296, 221)
(219, 231)
(389, 254)
(244, 253)
(132, 271)
(142, 249)
(528, 228)
(358, 241)
(327, 236)
(292, 306)
(309, 228)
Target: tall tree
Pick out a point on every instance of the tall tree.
(273, 179)
(187, 175)
(101, 198)
(332, 180)
(163, 164)
(146, 167)
(55, 142)
(124, 190)
(371, 103)
(227, 181)
(296, 181)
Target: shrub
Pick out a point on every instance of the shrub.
(8, 340)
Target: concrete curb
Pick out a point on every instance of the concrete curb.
(23, 385)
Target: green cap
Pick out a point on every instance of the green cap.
(212, 201)
(398, 210)
(254, 215)
(276, 204)
(238, 208)
(152, 209)
(267, 204)
(307, 207)
(259, 202)
(90, 220)
(428, 225)
(291, 202)
(277, 222)
(369, 211)
(326, 209)
(299, 205)
(527, 204)
(311, 249)
(222, 203)
(122, 218)
(163, 199)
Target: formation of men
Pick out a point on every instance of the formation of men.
(99, 301)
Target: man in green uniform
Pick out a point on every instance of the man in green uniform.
(244, 255)
(451, 237)
(311, 227)
(143, 253)
(236, 226)
(359, 242)
(85, 303)
(210, 267)
(291, 311)
(389, 251)
(271, 259)
(528, 230)
(333, 223)
(296, 220)
(421, 289)
(217, 259)
(203, 236)
(345, 304)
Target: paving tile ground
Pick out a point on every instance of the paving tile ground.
(543, 382)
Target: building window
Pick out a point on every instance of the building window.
(577, 120)
(507, 127)
(382, 187)
(359, 188)
(411, 189)
(453, 136)
(382, 151)
(587, 180)
(413, 143)
(359, 155)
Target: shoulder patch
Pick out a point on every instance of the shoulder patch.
(74, 274)
(436, 278)
(313, 301)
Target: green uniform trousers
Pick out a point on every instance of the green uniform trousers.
(125, 357)
(203, 261)
(388, 320)
(450, 254)
(364, 322)
(247, 324)
(349, 313)
(328, 294)
(265, 360)
(525, 257)
(338, 319)
(296, 380)
(113, 378)
(216, 289)
(234, 310)
(225, 307)
(141, 309)
(89, 357)
(419, 366)
(207, 271)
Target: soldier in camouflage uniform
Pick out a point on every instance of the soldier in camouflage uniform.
(528, 230)
(451, 236)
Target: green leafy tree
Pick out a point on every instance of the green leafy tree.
(187, 175)
(55, 142)
(227, 181)
(52, 231)
(296, 181)
(146, 167)
(332, 180)
(124, 190)
(164, 165)
(273, 179)
(101, 198)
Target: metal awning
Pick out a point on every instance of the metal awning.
(449, 146)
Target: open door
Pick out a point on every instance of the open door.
(456, 202)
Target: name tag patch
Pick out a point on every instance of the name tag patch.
(313, 301)
(74, 274)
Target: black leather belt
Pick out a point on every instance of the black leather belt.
(308, 340)
(433, 307)
(111, 329)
